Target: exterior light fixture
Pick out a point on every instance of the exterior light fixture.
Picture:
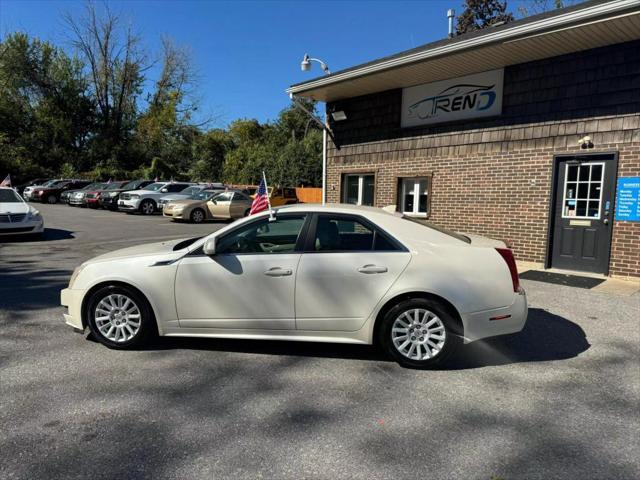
(305, 65)
(339, 116)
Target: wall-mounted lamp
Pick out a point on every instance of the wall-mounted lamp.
(585, 142)
(305, 65)
(338, 116)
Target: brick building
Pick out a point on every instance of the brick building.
(528, 132)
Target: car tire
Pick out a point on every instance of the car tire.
(119, 317)
(419, 333)
(197, 216)
(147, 207)
(51, 199)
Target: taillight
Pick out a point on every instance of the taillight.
(507, 254)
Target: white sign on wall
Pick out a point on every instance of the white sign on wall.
(473, 96)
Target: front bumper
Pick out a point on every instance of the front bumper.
(92, 202)
(498, 321)
(130, 205)
(109, 203)
(21, 228)
(72, 299)
(174, 214)
(76, 201)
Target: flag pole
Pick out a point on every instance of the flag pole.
(264, 179)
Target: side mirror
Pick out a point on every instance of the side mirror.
(164, 190)
(209, 246)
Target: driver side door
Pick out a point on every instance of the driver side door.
(249, 283)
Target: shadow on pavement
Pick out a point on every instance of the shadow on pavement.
(49, 234)
(546, 337)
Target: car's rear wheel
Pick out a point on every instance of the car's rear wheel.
(148, 207)
(119, 317)
(419, 333)
(197, 216)
(51, 199)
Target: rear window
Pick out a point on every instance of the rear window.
(437, 228)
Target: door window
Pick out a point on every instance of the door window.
(263, 236)
(344, 234)
(414, 194)
(582, 190)
(359, 189)
(223, 197)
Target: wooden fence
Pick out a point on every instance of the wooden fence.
(309, 194)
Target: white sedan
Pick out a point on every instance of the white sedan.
(335, 273)
(17, 217)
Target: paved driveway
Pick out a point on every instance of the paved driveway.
(559, 400)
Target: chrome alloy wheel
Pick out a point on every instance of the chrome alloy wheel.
(148, 208)
(197, 216)
(418, 334)
(117, 318)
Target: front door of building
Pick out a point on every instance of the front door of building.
(583, 212)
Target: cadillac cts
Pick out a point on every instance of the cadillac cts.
(335, 273)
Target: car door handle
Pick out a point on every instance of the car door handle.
(372, 269)
(278, 272)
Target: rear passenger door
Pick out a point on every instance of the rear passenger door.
(347, 266)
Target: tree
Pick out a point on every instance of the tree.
(479, 14)
(116, 64)
(209, 151)
(533, 7)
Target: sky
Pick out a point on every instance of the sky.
(246, 53)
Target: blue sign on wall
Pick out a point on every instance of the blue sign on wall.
(628, 199)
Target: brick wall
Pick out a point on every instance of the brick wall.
(493, 177)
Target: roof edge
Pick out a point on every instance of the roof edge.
(530, 28)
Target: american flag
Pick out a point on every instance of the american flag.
(6, 182)
(260, 201)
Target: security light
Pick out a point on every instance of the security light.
(305, 65)
(338, 116)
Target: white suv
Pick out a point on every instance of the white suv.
(145, 201)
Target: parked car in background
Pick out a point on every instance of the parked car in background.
(92, 198)
(193, 209)
(326, 273)
(67, 194)
(282, 196)
(76, 199)
(17, 217)
(31, 183)
(109, 199)
(229, 205)
(28, 191)
(51, 194)
(188, 192)
(145, 201)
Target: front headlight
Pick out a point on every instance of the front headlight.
(176, 208)
(33, 214)
(75, 274)
(134, 197)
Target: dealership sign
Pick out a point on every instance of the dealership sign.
(473, 96)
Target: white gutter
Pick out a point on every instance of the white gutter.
(510, 34)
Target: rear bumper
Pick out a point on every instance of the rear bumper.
(499, 321)
(72, 299)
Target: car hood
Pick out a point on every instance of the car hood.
(139, 250)
(14, 207)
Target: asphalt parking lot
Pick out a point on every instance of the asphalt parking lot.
(558, 400)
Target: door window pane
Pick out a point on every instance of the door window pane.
(582, 190)
(351, 189)
(263, 236)
(359, 189)
(342, 234)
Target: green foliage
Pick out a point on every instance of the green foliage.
(479, 14)
(61, 115)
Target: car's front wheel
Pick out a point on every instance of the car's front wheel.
(197, 216)
(148, 207)
(119, 317)
(419, 333)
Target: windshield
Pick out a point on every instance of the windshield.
(91, 186)
(155, 186)
(204, 195)
(437, 228)
(9, 196)
(133, 185)
(191, 190)
(114, 186)
(50, 183)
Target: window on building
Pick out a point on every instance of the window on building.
(413, 196)
(359, 189)
(583, 190)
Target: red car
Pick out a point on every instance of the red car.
(92, 198)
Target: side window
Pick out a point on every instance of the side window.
(263, 236)
(223, 197)
(176, 187)
(343, 233)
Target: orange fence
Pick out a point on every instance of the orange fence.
(309, 194)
